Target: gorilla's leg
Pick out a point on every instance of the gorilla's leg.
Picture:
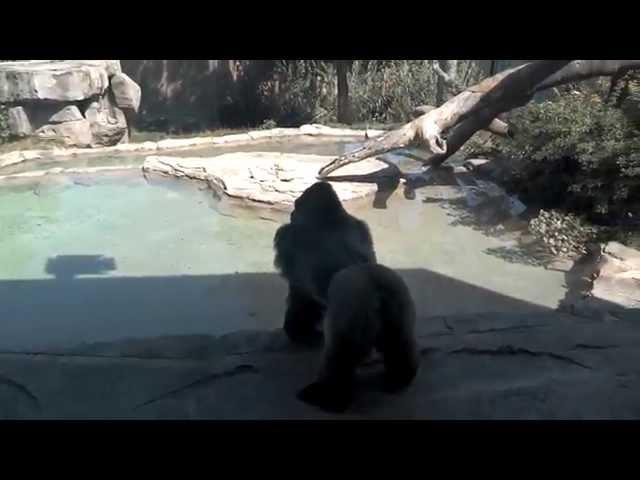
(401, 359)
(334, 389)
(303, 318)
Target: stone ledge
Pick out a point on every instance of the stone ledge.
(19, 156)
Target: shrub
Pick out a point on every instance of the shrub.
(381, 91)
(4, 126)
(575, 152)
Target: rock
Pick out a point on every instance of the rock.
(69, 113)
(630, 256)
(108, 123)
(618, 276)
(126, 92)
(473, 164)
(49, 92)
(317, 129)
(111, 66)
(615, 288)
(19, 124)
(62, 81)
(264, 177)
(272, 133)
(77, 133)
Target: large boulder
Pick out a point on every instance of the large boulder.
(618, 276)
(19, 124)
(61, 81)
(264, 177)
(614, 290)
(73, 134)
(70, 113)
(76, 100)
(108, 123)
(126, 92)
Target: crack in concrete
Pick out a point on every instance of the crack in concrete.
(379, 360)
(94, 356)
(446, 324)
(21, 388)
(435, 334)
(238, 370)
(586, 346)
(511, 350)
(506, 329)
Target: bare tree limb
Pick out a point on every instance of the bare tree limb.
(579, 70)
(497, 126)
(487, 99)
(478, 106)
(453, 86)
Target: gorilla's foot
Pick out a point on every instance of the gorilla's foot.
(327, 397)
(397, 381)
(306, 338)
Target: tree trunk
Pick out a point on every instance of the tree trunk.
(344, 105)
(449, 68)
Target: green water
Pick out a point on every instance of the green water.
(89, 258)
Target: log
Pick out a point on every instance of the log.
(579, 70)
(484, 101)
(497, 126)
(477, 107)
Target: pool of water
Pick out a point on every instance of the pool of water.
(111, 256)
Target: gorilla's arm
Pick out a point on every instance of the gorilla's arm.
(295, 264)
(365, 240)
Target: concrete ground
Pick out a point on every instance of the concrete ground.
(500, 366)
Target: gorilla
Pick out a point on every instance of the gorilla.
(369, 307)
(320, 240)
(328, 259)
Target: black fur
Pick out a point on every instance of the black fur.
(369, 307)
(328, 259)
(320, 240)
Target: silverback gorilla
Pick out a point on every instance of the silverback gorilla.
(328, 259)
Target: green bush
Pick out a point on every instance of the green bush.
(575, 152)
(4, 126)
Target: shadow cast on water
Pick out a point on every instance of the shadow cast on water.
(58, 313)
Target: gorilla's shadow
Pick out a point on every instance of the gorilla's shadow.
(55, 314)
(388, 179)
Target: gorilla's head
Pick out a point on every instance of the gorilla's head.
(318, 204)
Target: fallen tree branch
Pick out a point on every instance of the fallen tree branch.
(579, 70)
(497, 126)
(478, 106)
(501, 92)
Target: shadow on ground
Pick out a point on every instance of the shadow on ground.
(190, 347)
(82, 304)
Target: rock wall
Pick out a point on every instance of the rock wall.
(191, 95)
(82, 103)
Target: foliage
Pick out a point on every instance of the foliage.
(4, 125)
(301, 91)
(576, 152)
(388, 92)
(381, 91)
